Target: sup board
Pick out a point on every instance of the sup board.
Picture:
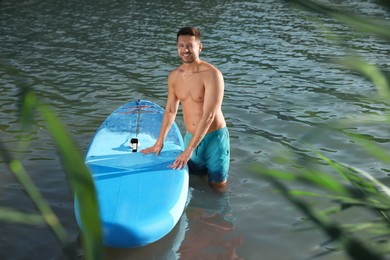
(140, 198)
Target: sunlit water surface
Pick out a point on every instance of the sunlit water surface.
(86, 58)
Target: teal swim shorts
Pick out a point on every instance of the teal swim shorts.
(211, 156)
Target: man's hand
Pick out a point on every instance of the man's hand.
(156, 148)
(182, 160)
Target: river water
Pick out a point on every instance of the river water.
(86, 58)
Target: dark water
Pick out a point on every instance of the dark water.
(86, 58)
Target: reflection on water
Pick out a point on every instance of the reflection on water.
(86, 58)
(205, 231)
(165, 248)
(210, 233)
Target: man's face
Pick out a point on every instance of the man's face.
(188, 48)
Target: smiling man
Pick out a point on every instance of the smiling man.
(199, 87)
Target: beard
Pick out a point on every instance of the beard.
(188, 59)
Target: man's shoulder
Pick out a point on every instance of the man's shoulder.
(210, 67)
(173, 73)
(211, 71)
(176, 70)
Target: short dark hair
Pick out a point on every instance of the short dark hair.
(189, 31)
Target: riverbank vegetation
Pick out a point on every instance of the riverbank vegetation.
(80, 180)
(324, 195)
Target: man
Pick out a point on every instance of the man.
(199, 87)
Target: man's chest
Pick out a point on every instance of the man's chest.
(190, 87)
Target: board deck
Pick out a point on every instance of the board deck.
(140, 198)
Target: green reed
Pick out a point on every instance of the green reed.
(79, 178)
(344, 187)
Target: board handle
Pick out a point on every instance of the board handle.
(134, 144)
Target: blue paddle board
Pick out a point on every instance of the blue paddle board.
(140, 198)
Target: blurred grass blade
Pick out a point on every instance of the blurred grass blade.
(371, 72)
(345, 201)
(80, 181)
(367, 184)
(373, 148)
(374, 181)
(359, 22)
(48, 215)
(323, 180)
(13, 216)
(355, 248)
(314, 177)
(371, 227)
(362, 24)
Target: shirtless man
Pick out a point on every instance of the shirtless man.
(199, 87)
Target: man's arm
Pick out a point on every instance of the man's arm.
(214, 89)
(168, 119)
